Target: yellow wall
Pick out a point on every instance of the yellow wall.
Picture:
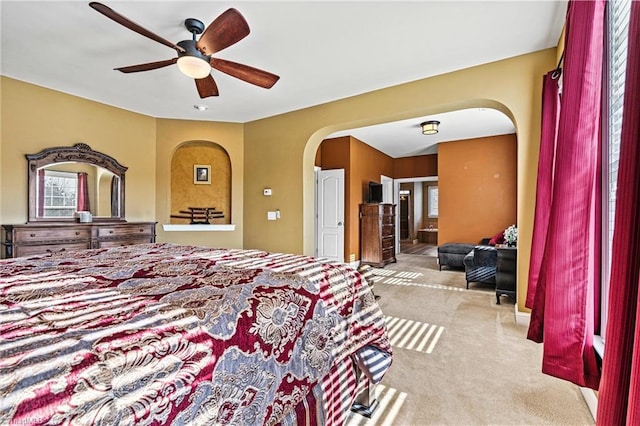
(280, 151)
(276, 152)
(185, 193)
(171, 134)
(34, 118)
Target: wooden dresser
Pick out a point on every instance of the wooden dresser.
(42, 237)
(377, 234)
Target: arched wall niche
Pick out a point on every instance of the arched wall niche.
(209, 190)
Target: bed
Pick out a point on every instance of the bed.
(162, 333)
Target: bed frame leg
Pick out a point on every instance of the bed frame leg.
(365, 403)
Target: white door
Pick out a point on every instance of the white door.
(330, 213)
(387, 189)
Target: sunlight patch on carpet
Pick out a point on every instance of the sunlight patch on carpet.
(390, 402)
(388, 276)
(413, 335)
(405, 278)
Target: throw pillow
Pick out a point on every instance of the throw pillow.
(497, 239)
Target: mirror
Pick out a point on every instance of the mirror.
(65, 180)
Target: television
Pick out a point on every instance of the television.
(375, 192)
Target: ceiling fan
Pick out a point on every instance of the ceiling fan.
(195, 56)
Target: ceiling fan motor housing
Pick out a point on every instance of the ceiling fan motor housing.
(190, 49)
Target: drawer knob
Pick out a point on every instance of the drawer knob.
(59, 251)
(32, 235)
(111, 232)
(77, 232)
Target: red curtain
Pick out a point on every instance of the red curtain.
(619, 398)
(546, 161)
(563, 307)
(83, 193)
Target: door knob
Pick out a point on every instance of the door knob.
(339, 223)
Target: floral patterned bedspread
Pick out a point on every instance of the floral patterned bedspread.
(171, 334)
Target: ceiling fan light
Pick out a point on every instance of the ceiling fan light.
(194, 67)
(430, 127)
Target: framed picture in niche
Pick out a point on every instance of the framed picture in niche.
(201, 174)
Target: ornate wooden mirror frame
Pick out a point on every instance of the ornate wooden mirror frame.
(79, 153)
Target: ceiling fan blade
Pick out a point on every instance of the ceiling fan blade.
(148, 66)
(227, 29)
(206, 87)
(245, 72)
(112, 14)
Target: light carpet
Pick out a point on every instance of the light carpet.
(459, 358)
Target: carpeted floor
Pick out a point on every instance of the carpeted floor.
(459, 358)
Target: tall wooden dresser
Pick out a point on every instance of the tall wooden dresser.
(377, 234)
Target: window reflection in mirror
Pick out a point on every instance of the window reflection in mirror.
(66, 188)
(59, 197)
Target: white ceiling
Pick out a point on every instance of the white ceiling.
(405, 139)
(323, 51)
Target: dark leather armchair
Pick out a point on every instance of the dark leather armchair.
(452, 254)
(480, 265)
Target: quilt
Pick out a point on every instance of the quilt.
(162, 333)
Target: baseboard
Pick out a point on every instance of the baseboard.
(591, 399)
(522, 318)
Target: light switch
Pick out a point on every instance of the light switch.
(267, 192)
(272, 215)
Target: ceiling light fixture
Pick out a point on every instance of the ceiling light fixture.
(201, 107)
(192, 62)
(194, 67)
(430, 127)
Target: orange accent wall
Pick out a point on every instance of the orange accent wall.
(476, 179)
(419, 166)
(477, 188)
(361, 164)
(367, 164)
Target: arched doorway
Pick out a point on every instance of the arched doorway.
(316, 139)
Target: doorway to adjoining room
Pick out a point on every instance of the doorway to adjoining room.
(417, 216)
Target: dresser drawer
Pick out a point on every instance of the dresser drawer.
(388, 220)
(120, 231)
(387, 242)
(388, 230)
(49, 248)
(388, 254)
(36, 235)
(124, 242)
